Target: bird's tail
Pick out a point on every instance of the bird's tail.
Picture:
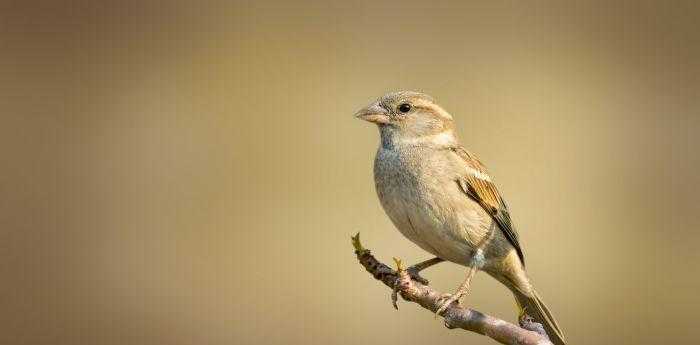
(535, 308)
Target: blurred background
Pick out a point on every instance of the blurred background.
(191, 173)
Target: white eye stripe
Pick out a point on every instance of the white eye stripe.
(433, 108)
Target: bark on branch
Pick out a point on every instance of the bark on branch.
(455, 316)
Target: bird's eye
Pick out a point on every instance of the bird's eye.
(405, 107)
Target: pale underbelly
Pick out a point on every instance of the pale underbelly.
(451, 234)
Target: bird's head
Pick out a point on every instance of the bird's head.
(408, 116)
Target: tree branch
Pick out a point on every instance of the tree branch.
(455, 316)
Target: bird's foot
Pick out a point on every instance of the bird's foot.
(447, 299)
(414, 273)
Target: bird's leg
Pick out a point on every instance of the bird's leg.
(476, 262)
(414, 271)
(463, 289)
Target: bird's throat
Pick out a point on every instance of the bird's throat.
(392, 138)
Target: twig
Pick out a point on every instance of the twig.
(455, 316)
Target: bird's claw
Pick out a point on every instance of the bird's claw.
(446, 300)
(414, 273)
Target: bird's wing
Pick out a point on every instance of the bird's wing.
(477, 184)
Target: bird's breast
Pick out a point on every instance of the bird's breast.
(420, 196)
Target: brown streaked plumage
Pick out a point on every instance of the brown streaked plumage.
(441, 197)
(486, 194)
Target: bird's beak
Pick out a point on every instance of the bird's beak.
(373, 113)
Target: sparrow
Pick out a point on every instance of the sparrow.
(441, 197)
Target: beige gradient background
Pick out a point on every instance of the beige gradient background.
(175, 173)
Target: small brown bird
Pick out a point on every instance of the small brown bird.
(440, 196)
